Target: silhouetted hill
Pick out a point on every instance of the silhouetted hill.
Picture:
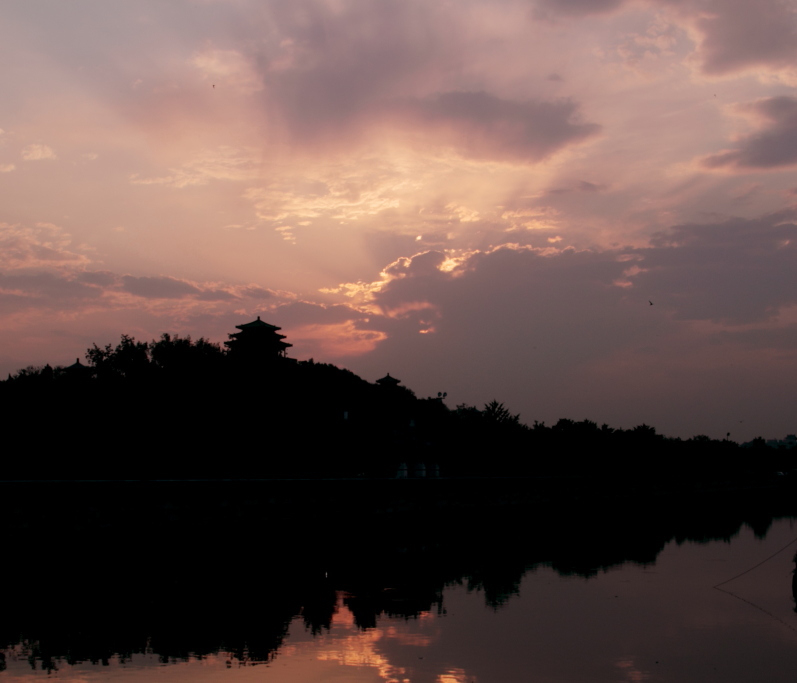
(185, 409)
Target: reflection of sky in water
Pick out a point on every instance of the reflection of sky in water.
(662, 622)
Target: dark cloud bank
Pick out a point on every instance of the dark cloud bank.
(490, 127)
(774, 146)
(370, 65)
(556, 333)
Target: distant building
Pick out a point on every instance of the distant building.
(257, 340)
(77, 370)
(388, 381)
(789, 442)
(418, 469)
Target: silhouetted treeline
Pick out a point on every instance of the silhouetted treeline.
(182, 408)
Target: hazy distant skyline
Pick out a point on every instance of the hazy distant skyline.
(478, 197)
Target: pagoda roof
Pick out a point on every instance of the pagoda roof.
(389, 381)
(257, 324)
(77, 368)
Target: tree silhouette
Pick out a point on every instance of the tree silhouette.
(128, 359)
(496, 412)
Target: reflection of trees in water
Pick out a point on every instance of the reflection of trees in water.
(189, 571)
(794, 582)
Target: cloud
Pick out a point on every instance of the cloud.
(507, 322)
(166, 287)
(25, 290)
(580, 186)
(342, 190)
(521, 277)
(774, 146)
(41, 245)
(7, 168)
(356, 71)
(299, 313)
(158, 287)
(38, 269)
(738, 35)
(222, 163)
(255, 292)
(335, 62)
(732, 35)
(335, 341)
(37, 152)
(738, 271)
(485, 126)
(553, 333)
(661, 38)
(99, 278)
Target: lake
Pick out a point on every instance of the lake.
(678, 592)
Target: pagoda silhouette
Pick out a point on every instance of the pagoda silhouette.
(257, 340)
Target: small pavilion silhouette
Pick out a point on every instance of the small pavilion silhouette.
(388, 381)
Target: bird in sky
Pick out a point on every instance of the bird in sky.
(650, 302)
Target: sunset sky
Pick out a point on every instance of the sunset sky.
(478, 197)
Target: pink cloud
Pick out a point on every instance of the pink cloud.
(41, 245)
(734, 35)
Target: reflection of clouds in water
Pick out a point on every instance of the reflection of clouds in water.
(413, 639)
(630, 671)
(453, 676)
(358, 649)
(351, 647)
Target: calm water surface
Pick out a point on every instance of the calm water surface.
(658, 622)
